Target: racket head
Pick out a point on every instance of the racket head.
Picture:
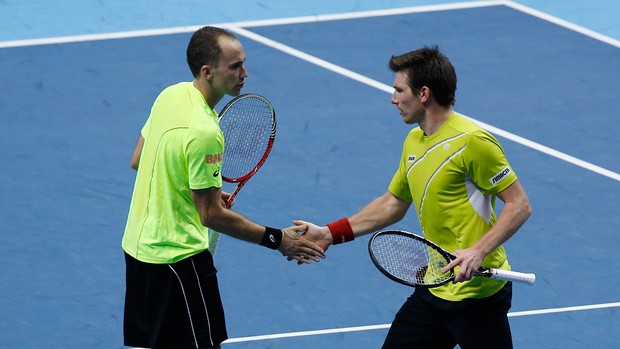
(409, 259)
(248, 123)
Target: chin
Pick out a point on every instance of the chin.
(409, 121)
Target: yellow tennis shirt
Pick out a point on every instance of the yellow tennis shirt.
(182, 150)
(452, 179)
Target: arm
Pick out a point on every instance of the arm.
(379, 213)
(516, 211)
(137, 152)
(215, 215)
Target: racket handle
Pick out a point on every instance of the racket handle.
(509, 275)
(214, 239)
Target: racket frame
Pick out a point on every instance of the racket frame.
(493, 273)
(214, 236)
(447, 256)
(243, 179)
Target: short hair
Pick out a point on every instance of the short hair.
(203, 47)
(428, 67)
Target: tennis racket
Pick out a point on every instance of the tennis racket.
(412, 260)
(249, 125)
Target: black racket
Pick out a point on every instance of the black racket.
(412, 260)
(249, 125)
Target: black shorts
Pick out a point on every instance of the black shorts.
(173, 305)
(428, 322)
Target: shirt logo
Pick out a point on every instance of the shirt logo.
(216, 173)
(214, 158)
(501, 175)
(411, 158)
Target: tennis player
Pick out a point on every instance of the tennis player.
(451, 171)
(172, 297)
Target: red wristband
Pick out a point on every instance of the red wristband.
(341, 231)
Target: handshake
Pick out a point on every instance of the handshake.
(306, 242)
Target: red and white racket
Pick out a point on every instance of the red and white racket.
(249, 124)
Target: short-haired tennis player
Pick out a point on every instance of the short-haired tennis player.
(172, 297)
(451, 170)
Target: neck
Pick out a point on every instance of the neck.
(435, 118)
(212, 97)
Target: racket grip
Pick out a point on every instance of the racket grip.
(214, 238)
(509, 275)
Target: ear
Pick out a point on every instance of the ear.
(206, 72)
(425, 94)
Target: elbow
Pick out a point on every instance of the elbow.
(208, 207)
(526, 209)
(204, 218)
(134, 162)
(211, 217)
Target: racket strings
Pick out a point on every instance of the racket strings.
(410, 260)
(247, 128)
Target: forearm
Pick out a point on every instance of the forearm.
(379, 213)
(233, 224)
(214, 214)
(516, 211)
(137, 153)
(508, 223)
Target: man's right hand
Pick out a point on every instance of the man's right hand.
(297, 247)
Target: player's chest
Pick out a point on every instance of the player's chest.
(436, 167)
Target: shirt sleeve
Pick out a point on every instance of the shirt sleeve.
(145, 129)
(487, 165)
(204, 154)
(399, 186)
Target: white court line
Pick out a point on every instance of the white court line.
(355, 76)
(314, 60)
(315, 18)
(568, 25)
(267, 22)
(373, 83)
(383, 87)
(384, 326)
(371, 13)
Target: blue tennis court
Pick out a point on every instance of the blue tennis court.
(543, 78)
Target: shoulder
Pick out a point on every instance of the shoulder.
(173, 91)
(178, 87)
(474, 132)
(204, 130)
(415, 133)
(464, 124)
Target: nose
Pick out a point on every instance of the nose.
(393, 99)
(244, 72)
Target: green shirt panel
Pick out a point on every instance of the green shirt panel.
(452, 179)
(182, 150)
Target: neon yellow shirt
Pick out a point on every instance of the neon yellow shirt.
(452, 179)
(182, 150)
